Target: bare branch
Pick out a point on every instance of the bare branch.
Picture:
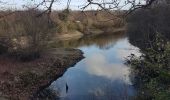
(119, 5)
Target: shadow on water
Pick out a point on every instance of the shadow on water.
(102, 75)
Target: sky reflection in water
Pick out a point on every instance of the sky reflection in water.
(102, 74)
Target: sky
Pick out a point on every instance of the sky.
(59, 5)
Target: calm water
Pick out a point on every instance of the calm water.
(102, 75)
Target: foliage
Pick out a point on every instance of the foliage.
(144, 23)
(84, 22)
(147, 29)
(152, 70)
(64, 15)
(3, 49)
(27, 33)
(62, 27)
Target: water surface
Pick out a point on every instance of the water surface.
(102, 75)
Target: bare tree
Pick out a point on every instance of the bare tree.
(107, 5)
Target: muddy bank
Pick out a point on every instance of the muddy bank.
(70, 35)
(91, 32)
(20, 80)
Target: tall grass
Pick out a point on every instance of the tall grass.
(27, 32)
(78, 21)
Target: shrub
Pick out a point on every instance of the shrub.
(3, 49)
(144, 23)
(62, 27)
(151, 70)
(64, 15)
(72, 26)
(28, 33)
(80, 27)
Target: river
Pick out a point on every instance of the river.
(102, 74)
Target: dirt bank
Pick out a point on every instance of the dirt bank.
(92, 32)
(70, 35)
(20, 80)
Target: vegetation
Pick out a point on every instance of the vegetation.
(103, 41)
(64, 15)
(151, 71)
(148, 29)
(26, 34)
(144, 23)
(70, 21)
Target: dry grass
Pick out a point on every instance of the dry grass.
(83, 22)
(27, 33)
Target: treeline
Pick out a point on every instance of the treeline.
(24, 34)
(68, 20)
(143, 24)
(149, 30)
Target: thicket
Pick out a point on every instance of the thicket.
(26, 33)
(144, 23)
(151, 71)
(149, 30)
(68, 20)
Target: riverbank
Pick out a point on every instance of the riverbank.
(150, 71)
(102, 69)
(92, 32)
(20, 80)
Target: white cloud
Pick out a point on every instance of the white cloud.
(99, 66)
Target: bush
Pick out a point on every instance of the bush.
(65, 27)
(72, 26)
(152, 70)
(80, 27)
(3, 49)
(144, 23)
(64, 15)
(28, 33)
(62, 27)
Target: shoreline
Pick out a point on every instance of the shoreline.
(15, 77)
(42, 72)
(92, 32)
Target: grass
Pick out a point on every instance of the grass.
(27, 33)
(83, 22)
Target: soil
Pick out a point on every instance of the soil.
(22, 80)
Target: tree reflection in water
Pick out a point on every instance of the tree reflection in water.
(103, 41)
(102, 75)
